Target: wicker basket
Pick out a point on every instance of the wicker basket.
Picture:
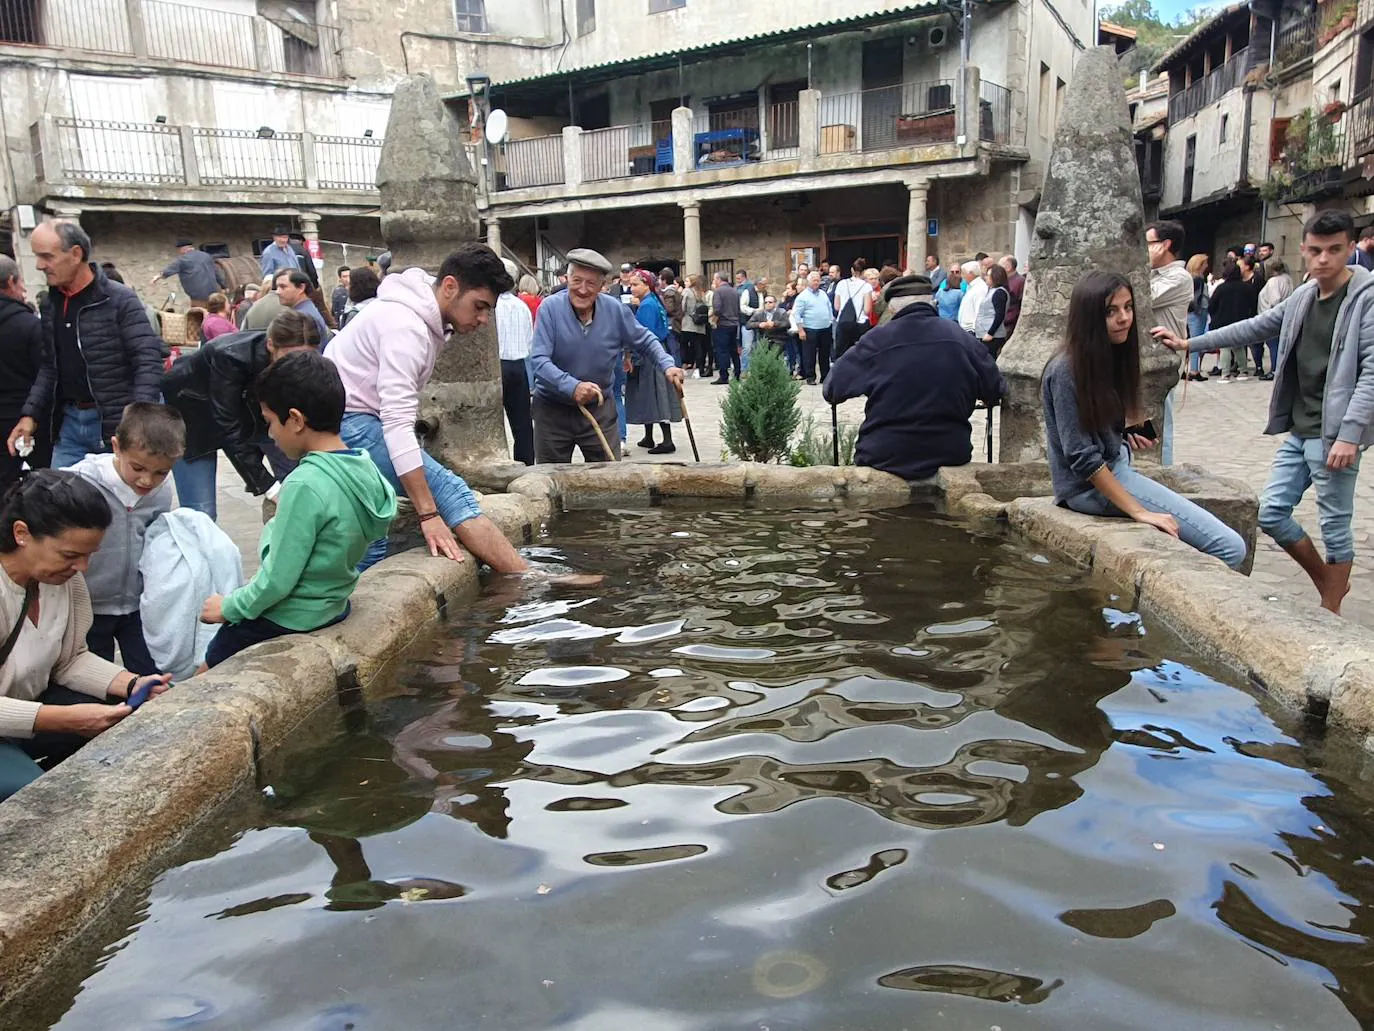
(182, 330)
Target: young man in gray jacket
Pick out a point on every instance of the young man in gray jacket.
(1323, 398)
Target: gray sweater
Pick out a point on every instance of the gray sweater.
(1348, 399)
(1074, 453)
(113, 578)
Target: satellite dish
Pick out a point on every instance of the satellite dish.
(496, 126)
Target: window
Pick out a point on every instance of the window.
(659, 6)
(1364, 60)
(1221, 136)
(1045, 99)
(1189, 163)
(586, 16)
(1059, 93)
(470, 15)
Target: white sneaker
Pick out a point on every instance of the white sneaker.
(1242, 376)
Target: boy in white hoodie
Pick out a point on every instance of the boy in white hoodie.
(149, 440)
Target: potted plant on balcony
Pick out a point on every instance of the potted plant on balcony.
(1336, 17)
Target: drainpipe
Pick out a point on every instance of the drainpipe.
(1273, 111)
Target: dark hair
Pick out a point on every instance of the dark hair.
(666, 275)
(1172, 232)
(858, 267)
(980, 255)
(998, 275)
(362, 284)
(294, 276)
(155, 428)
(343, 269)
(72, 235)
(307, 382)
(1330, 222)
(216, 302)
(887, 274)
(476, 266)
(293, 329)
(111, 273)
(50, 501)
(932, 254)
(1266, 243)
(1248, 261)
(1230, 269)
(1276, 266)
(1106, 376)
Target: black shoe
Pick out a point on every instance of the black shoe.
(810, 382)
(1197, 377)
(721, 382)
(1266, 376)
(665, 448)
(646, 442)
(1215, 371)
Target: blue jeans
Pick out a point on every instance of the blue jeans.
(452, 496)
(80, 436)
(1196, 526)
(23, 760)
(791, 351)
(723, 341)
(1298, 464)
(1197, 325)
(746, 348)
(197, 478)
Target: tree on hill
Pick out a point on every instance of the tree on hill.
(1155, 37)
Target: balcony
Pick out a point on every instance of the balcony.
(892, 124)
(1210, 88)
(1295, 42)
(81, 157)
(177, 33)
(1364, 15)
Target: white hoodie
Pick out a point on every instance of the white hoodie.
(386, 355)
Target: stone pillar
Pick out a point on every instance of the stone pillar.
(809, 124)
(916, 226)
(309, 170)
(310, 225)
(429, 207)
(190, 164)
(138, 27)
(1090, 217)
(691, 238)
(264, 54)
(572, 155)
(494, 234)
(23, 256)
(684, 141)
(970, 115)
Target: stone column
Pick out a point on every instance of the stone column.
(429, 207)
(1090, 217)
(572, 155)
(684, 141)
(970, 112)
(809, 124)
(138, 27)
(691, 238)
(190, 164)
(916, 226)
(309, 170)
(494, 234)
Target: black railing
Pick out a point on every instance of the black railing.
(994, 113)
(910, 114)
(1210, 89)
(1359, 121)
(97, 25)
(1296, 41)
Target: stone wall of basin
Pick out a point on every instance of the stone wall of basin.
(101, 824)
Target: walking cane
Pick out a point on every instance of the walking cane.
(988, 434)
(687, 418)
(835, 433)
(605, 445)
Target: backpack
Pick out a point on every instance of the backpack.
(701, 313)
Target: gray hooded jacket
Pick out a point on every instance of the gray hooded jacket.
(113, 579)
(1348, 398)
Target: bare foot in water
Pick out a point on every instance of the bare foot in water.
(577, 579)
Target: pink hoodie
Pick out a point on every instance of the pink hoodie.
(386, 355)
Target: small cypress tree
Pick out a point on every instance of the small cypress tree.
(760, 413)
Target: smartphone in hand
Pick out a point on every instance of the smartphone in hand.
(1145, 429)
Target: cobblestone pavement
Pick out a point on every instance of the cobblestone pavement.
(1218, 426)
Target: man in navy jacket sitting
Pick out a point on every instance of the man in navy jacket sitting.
(921, 375)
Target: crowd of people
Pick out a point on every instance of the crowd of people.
(325, 424)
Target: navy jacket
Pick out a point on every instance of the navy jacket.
(123, 354)
(921, 375)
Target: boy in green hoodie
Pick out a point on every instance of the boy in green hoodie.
(331, 506)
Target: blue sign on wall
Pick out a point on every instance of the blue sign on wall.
(933, 227)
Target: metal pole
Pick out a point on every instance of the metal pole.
(808, 67)
(835, 433)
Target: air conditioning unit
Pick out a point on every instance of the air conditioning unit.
(937, 36)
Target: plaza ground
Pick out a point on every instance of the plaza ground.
(1218, 426)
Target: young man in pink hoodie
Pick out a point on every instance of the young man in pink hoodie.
(385, 357)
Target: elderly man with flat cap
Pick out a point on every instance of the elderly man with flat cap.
(580, 337)
(921, 375)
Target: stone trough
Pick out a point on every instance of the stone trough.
(104, 822)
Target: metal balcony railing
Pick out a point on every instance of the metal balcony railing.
(240, 157)
(1296, 41)
(117, 152)
(347, 162)
(97, 25)
(199, 35)
(994, 113)
(910, 114)
(619, 152)
(783, 130)
(1359, 122)
(534, 162)
(1210, 89)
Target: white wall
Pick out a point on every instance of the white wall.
(1217, 165)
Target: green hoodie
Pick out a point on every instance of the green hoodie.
(331, 507)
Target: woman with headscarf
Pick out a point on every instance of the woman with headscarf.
(648, 397)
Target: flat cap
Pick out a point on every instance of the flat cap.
(588, 258)
(909, 286)
(183, 242)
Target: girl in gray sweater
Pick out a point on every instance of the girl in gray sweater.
(1091, 392)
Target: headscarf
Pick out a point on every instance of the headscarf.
(648, 279)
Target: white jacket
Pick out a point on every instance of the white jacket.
(972, 303)
(186, 558)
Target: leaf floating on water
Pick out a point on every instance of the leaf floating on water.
(415, 894)
(543, 889)
(1159, 846)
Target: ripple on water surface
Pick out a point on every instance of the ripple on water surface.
(812, 770)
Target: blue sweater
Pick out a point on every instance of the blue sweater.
(566, 353)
